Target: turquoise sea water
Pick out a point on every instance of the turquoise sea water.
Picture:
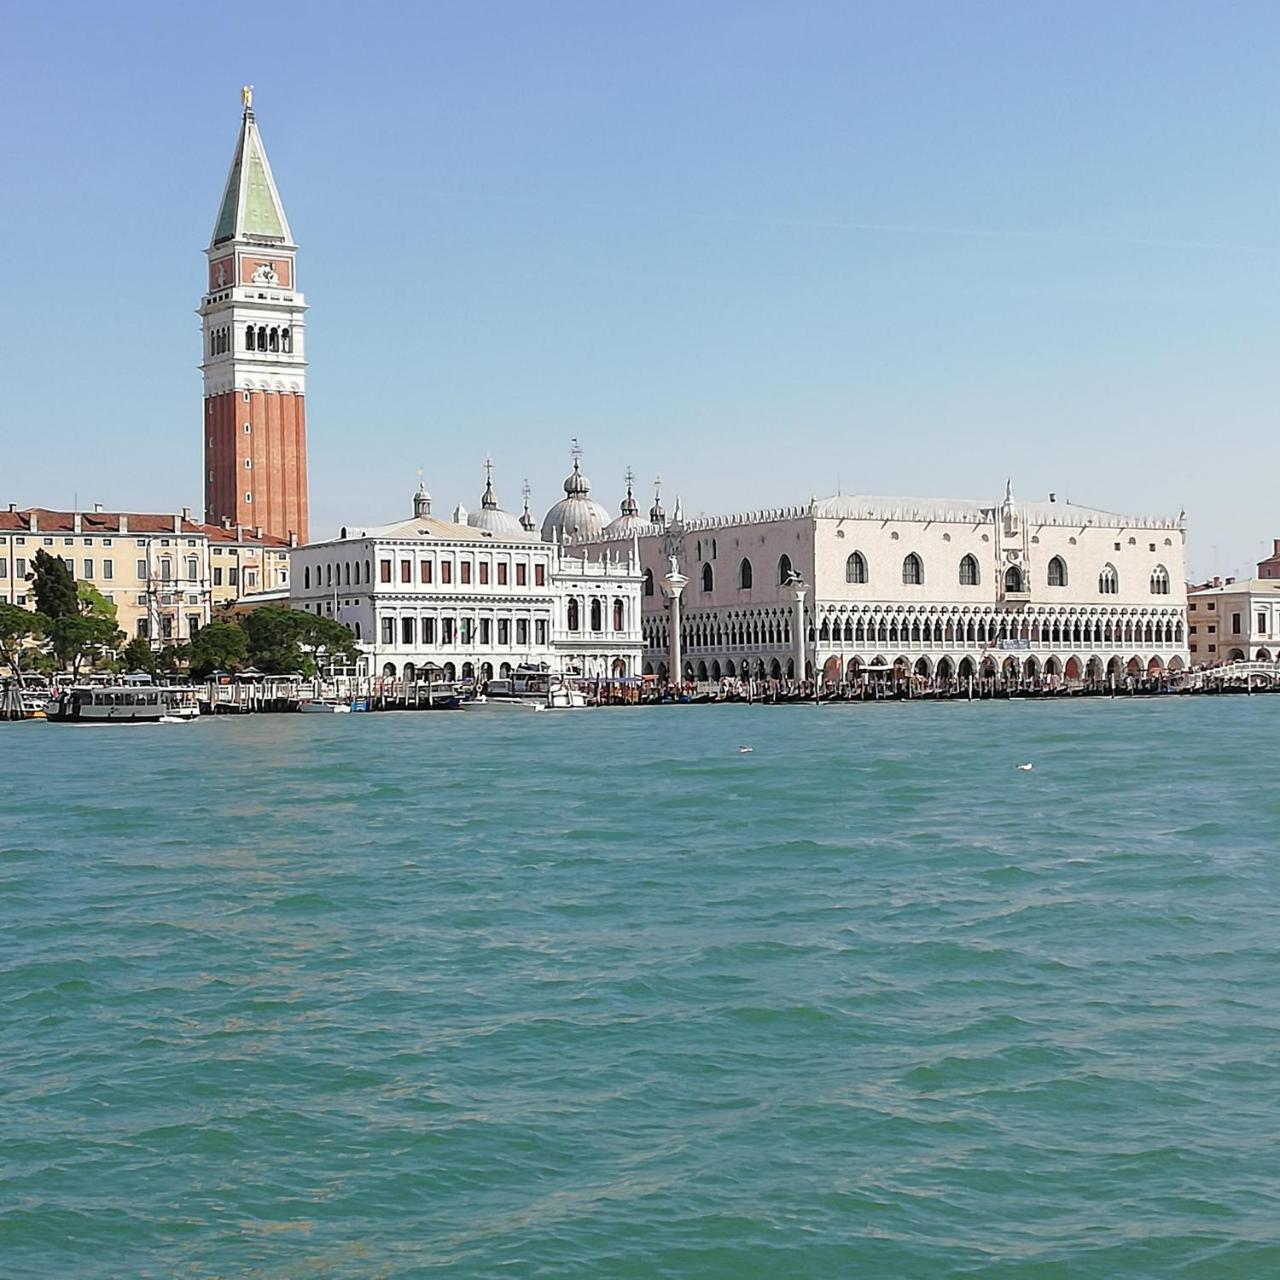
(597, 995)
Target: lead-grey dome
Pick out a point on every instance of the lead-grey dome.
(577, 515)
(492, 519)
(629, 521)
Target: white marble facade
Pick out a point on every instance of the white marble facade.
(937, 588)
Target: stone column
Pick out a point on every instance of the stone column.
(675, 582)
(798, 631)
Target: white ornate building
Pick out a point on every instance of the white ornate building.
(937, 588)
(476, 596)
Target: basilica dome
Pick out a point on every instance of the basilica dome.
(577, 515)
(629, 521)
(491, 517)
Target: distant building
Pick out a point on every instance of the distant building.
(164, 573)
(935, 587)
(253, 441)
(474, 596)
(1270, 567)
(1229, 621)
(246, 563)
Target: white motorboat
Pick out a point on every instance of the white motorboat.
(529, 689)
(124, 704)
(324, 707)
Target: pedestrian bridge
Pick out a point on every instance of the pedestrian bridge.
(1250, 675)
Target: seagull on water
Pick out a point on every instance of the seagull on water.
(745, 751)
(1026, 768)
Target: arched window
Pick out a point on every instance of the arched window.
(573, 621)
(648, 582)
(346, 572)
(275, 339)
(249, 343)
(744, 574)
(617, 615)
(708, 577)
(597, 621)
(1160, 581)
(262, 337)
(1108, 580)
(913, 570)
(968, 572)
(1013, 580)
(306, 576)
(286, 340)
(1057, 574)
(855, 568)
(784, 569)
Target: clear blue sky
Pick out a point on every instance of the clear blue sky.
(761, 247)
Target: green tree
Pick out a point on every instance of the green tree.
(221, 646)
(172, 658)
(53, 586)
(286, 640)
(319, 635)
(138, 656)
(78, 638)
(19, 628)
(93, 603)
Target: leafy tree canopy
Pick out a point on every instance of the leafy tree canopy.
(18, 628)
(93, 602)
(221, 646)
(79, 638)
(53, 586)
(138, 656)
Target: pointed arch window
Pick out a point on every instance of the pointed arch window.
(1108, 580)
(597, 621)
(1057, 572)
(1160, 581)
(744, 574)
(250, 342)
(708, 577)
(784, 569)
(913, 570)
(969, 572)
(573, 620)
(648, 582)
(855, 568)
(1013, 579)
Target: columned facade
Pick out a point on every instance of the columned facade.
(935, 590)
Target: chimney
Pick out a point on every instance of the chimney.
(33, 521)
(1229, 581)
(1053, 497)
(1217, 581)
(75, 522)
(177, 524)
(13, 508)
(257, 532)
(97, 508)
(124, 523)
(293, 538)
(239, 533)
(226, 522)
(186, 513)
(1275, 546)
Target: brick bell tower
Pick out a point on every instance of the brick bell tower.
(255, 440)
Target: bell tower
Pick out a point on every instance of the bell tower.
(254, 440)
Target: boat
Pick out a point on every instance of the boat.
(529, 688)
(324, 707)
(124, 704)
(23, 699)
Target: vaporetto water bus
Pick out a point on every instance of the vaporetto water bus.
(124, 704)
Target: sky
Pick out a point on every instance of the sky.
(769, 250)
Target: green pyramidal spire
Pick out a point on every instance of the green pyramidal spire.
(251, 205)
